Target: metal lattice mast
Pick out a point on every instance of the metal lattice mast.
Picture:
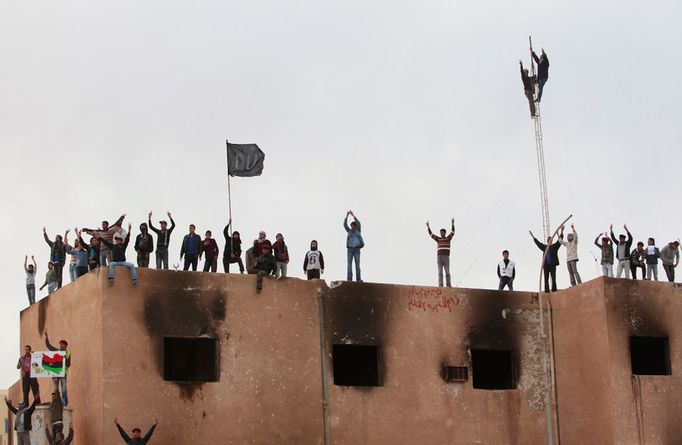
(537, 120)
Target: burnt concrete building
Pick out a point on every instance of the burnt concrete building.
(361, 363)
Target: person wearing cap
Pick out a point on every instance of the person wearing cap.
(623, 246)
(551, 259)
(670, 257)
(506, 272)
(144, 246)
(191, 249)
(137, 439)
(118, 255)
(651, 257)
(443, 252)
(281, 252)
(313, 264)
(107, 232)
(58, 382)
(354, 243)
(606, 248)
(22, 422)
(260, 242)
(266, 265)
(233, 249)
(571, 245)
(210, 250)
(162, 240)
(50, 279)
(57, 254)
(59, 437)
(28, 383)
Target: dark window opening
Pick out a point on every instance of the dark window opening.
(190, 359)
(650, 355)
(356, 365)
(493, 369)
(455, 373)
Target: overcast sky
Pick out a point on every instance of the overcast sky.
(401, 111)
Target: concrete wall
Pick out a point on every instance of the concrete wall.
(277, 372)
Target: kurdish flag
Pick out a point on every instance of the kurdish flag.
(48, 364)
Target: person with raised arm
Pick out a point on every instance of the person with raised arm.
(57, 254)
(543, 71)
(551, 259)
(233, 249)
(22, 421)
(606, 248)
(623, 247)
(80, 255)
(571, 245)
(354, 243)
(162, 239)
(118, 256)
(137, 439)
(443, 252)
(107, 232)
(58, 438)
(31, 270)
(50, 279)
(58, 382)
(528, 88)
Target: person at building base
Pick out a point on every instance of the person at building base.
(28, 383)
(551, 259)
(22, 422)
(443, 252)
(59, 437)
(354, 244)
(137, 439)
(506, 272)
(313, 264)
(56, 411)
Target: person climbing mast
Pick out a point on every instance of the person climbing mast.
(528, 87)
(543, 70)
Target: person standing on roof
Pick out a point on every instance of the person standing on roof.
(443, 253)
(528, 88)
(144, 246)
(313, 264)
(638, 261)
(57, 254)
(622, 251)
(506, 271)
(191, 248)
(354, 243)
(571, 245)
(551, 259)
(107, 233)
(543, 71)
(162, 240)
(670, 256)
(606, 248)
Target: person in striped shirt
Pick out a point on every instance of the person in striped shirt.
(443, 252)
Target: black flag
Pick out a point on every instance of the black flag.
(244, 160)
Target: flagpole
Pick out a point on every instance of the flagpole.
(229, 200)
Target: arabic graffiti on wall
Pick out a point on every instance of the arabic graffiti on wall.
(430, 300)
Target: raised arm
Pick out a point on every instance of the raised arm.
(151, 226)
(123, 434)
(172, 223)
(596, 241)
(69, 438)
(428, 228)
(119, 221)
(49, 436)
(48, 345)
(345, 222)
(150, 432)
(47, 239)
(10, 407)
(613, 237)
(25, 261)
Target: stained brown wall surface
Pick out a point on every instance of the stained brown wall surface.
(277, 372)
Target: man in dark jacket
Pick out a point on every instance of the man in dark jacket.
(56, 411)
(59, 437)
(233, 249)
(265, 265)
(528, 88)
(623, 247)
(162, 240)
(22, 424)
(543, 71)
(136, 439)
(191, 248)
(551, 259)
(209, 248)
(57, 255)
(638, 260)
(144, 245)
(28, 384)
(118, 255)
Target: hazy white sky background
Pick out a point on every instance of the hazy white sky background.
(401, 111)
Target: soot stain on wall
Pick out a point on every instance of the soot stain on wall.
(42, 314)
(181, 312)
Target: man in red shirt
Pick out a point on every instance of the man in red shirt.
(443, 252)
(28, 383)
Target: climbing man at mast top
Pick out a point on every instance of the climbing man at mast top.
(528, 88)
(543, 70)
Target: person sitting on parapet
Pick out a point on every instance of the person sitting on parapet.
(543, 71)
(28, 383)
(443, 252)
(210, 250)
(622, 251)
(265, 265)
(162, 240)
(638, 261)
(191, 249)
(551, 260)
(259, 243)
(118, 255)
(670, 257)
(528, 88)
(31, 270)
(107, 232)
(144, 246)
(354, 244)
(281, 252)
(571, 245)
(233, 249)
(606, 248)
(59, 437)
(60, 381)
(57, 254)
(50, 279)
(651, 257)
(22, 422)
(313, 264)
(250, 258)
(506, 271)
(136, 439)
(56, 411)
